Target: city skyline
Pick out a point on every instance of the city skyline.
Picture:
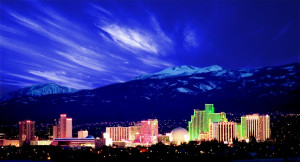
(116, 143)
(149, 80)
(205, 125)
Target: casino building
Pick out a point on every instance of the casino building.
(89, 141)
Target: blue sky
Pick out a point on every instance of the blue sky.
(88, 44)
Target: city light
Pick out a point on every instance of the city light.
(223, 132)
(149, 80)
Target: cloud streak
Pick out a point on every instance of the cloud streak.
(60, 78)
(133, 35)
(190, 38)
(82, 60)
(130, 38)
(55, 48)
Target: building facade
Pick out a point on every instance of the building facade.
(117, 133)
(200, 121)
(149, 131)
(243, 128)
(26, 132)
(89, 141)
(223, 131)
(64, 127)
(83, 133)
(133, 131)
(257, 126)
(55, 131)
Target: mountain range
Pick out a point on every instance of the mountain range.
(169, 94)
(38, 90)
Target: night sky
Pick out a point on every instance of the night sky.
(88, 44)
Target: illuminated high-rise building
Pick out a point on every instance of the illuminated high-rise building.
(83, 133)
(238, 130)
(242, 134)
(117, 133)
(200, 120)
(149, 131)
(64, 129)
(55, 131)
(222, 131)
(69, 128)
(26, 131)
(133, 131)
(258, 126)
(149, 126)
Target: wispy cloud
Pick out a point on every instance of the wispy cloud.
(190, 38)
(131, 38)
(101, 9)
(135, 36)
(60, 37)
(26, 77)
(25, 49)
(80, 55)
(10, 30)
(82, 60)
(61, 78)
(17, 83)
(154, 62)
(159, 32)
(166, 45)
(67, 53)
(17, 46)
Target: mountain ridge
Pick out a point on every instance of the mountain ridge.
(38, 90)
(176, 71)
(262, 90)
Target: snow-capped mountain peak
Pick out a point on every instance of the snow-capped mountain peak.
(183, 70)
(45, 89)
(272, 88)
(39, 90)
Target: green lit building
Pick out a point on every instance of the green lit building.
(243, 129)
(200, 120)
(238, 130)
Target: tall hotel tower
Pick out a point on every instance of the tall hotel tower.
(200, 120)
(257, 126)
(150, 127)
(64, 128)
(222, 131)
(149, 131)
(26, 131)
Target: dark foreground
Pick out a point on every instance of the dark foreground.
(191, 151)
